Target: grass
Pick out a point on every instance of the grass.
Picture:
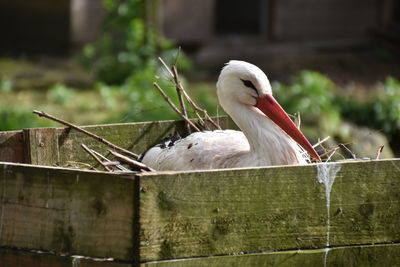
(85, 107)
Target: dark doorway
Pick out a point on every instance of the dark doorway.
(241, 17)
(396, 12)
(34, 27)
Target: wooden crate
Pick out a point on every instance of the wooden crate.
(235, 217)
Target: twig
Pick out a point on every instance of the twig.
(348, 151)
(195, 108)
(177, 55)
(101, 139)
(180, 97)
(379, 151)
(119, 166)
(174, 107)
(166, 66)
(331, 154)
(321, 141)
(297, 119)
(327, 152)
(129, 161)
(75, 164)
(111, 163)
(88, 150)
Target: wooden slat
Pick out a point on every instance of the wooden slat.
(12, 147)
(42, 146)
(67, 211)
(370, 255)
(230, 211)
(59, 146)
(189, 214)
(19, 258)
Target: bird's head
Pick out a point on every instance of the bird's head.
(242, 83)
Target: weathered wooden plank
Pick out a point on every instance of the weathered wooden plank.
(369, 255)
(20, 258)
(67, 211)
(42, 146)
(229, 211)
(12, 147)
(60, 146)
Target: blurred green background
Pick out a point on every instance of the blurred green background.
(110, 80)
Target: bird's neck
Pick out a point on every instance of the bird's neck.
(269, 145)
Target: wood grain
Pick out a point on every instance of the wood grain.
(67, 211)
(20, 258)
(59, 146)
(366, 256)
(170, 215)
(12, 148)
(230, 211)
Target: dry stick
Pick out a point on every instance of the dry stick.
(131, 162)
(101, 139)
(175, 79)
(327, 152)
(379, 151)
(179, 89)
(298, 120)
(195, 108)
(88, 150)
(119, 166)
(198, 109)
(177, 55)
(111, 163)
(75, 163)
(166, 67)
(174, 107)
(321, 141)
(333, 152)
(181, 101)
(348, 151)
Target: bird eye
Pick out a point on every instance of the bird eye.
(249, 84)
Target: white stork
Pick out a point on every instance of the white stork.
(269, 136)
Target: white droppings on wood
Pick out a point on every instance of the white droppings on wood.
(326, 174)
(76, 260)
(326, 252)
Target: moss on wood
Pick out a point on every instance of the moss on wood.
(229, 211)
(67, 211)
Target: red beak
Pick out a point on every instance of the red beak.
(270, 107)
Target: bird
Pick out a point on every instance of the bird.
(268, 136)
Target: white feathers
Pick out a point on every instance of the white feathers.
(200, 150)
(261, 143)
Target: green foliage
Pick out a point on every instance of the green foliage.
(60, 94)
(387, 106)
(125, 62)
(127, 46)
(16, 118)
(381, 112)
(313, 94)
(144, 101)
(6, 85)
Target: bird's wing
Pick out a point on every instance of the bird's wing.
(200, 150)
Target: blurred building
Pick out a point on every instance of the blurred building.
(257, 30)
(211, 30)
(48, 27)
